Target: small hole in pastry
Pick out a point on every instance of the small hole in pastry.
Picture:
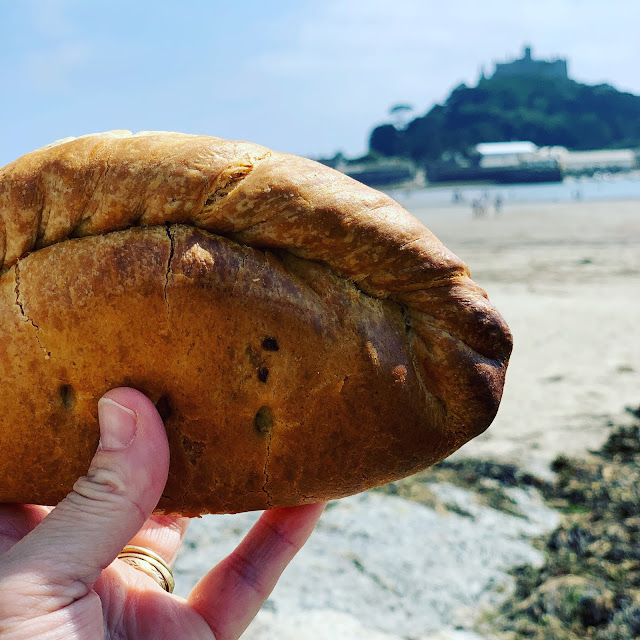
(67, 395)
(270, 344)
(164, 408)
(263, 422)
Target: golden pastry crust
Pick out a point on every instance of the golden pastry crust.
(306, 337)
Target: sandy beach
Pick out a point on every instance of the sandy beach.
(566, 277)
(381, 567)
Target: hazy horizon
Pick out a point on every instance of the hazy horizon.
(303, 77)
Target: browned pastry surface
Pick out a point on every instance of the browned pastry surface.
(303, 335)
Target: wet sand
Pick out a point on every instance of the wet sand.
(566, 277)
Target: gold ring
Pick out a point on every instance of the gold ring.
(151, 563)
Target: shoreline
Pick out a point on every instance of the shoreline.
(613, 188)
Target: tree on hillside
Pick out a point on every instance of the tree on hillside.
(401, 114)
(385, 140)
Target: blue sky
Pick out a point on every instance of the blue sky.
(305, 77)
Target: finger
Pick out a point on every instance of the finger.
(88, 529)
(162, 535)
(231, 594)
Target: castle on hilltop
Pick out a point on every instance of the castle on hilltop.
(527, 66)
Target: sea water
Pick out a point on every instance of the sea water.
(607, 187)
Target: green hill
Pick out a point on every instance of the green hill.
(546, 111)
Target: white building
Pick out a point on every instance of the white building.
(507, 154)
(605, 160)
(496, 155)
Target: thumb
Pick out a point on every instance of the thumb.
(67, 551)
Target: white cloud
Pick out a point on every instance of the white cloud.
(49, 63)
(51, 70)
(49, 19)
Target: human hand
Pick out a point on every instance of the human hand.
(59, 576)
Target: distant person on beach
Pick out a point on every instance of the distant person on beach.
(497, 204)
(477, 208)
(60, 578)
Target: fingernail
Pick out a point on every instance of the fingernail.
(117, 425)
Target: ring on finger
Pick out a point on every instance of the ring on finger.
(150, 563)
